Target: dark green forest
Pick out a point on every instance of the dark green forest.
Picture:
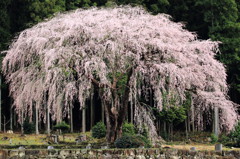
(218, 20)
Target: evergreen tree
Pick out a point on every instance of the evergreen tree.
(4, 24)
(25, 13)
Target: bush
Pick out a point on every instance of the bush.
(224, 139)
(214, 138)
(62, 126)
(99, 130)
(28, 127)
(128, 129)
(234, 136)
(145, 140)
(128, 142)
(145, 132)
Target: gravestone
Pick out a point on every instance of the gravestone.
(105, 147)
(54, 138)
(88, 146)
(83, 138)
(21, 148)
(50, 147)
(218, 147)
(78, 141)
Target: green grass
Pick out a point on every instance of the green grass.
(41, 139)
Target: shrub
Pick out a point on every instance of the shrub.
(99, 130)
(62, 126)
(28, 127)
(145, 132)
(128, 129)
(224, 139)
(128, 142)
(214, 138)
(235, 135)
(132, 142)
(145, 140)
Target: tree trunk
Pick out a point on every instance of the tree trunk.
(36, 119)
(22, 121)
(92, 109)
(164, 127)
(11, 115)
(15, 124)
(115, 115)
(48, 114)
(188, 122)
(102, 112)
(169, 132)
(131, 112)
(48, 122)
(4, 124)
(216, 121)
(193, 117)
(71, 119)
(83, 119)
(186, 128)
(0, 102)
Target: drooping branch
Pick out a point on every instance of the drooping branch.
(67, 54)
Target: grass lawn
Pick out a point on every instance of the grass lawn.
(17, 139)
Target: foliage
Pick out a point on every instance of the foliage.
(99, 130)
(128, 142)
(28, 127)
(171, 113)
(4, 24)
(134, 141)
(214, 138)
(74, 4)
(128, 129)
(229, 35)
(225, 139)
(235, 135)
(157, 6)
(165, 135)
(62, 126)
(175, 114)
(143, 136)
(145, 140)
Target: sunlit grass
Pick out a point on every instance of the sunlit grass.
(41, 139)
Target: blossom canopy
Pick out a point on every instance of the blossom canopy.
(61, 58)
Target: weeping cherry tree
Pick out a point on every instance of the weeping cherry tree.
(124, 52)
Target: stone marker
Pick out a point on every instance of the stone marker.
(105, 147)
(88, 146)
(54, 138)
(21, 148)
(193, 149)
(83, 138)
(50, 147)
(78, 141)
(218, 147)
(9, 132)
